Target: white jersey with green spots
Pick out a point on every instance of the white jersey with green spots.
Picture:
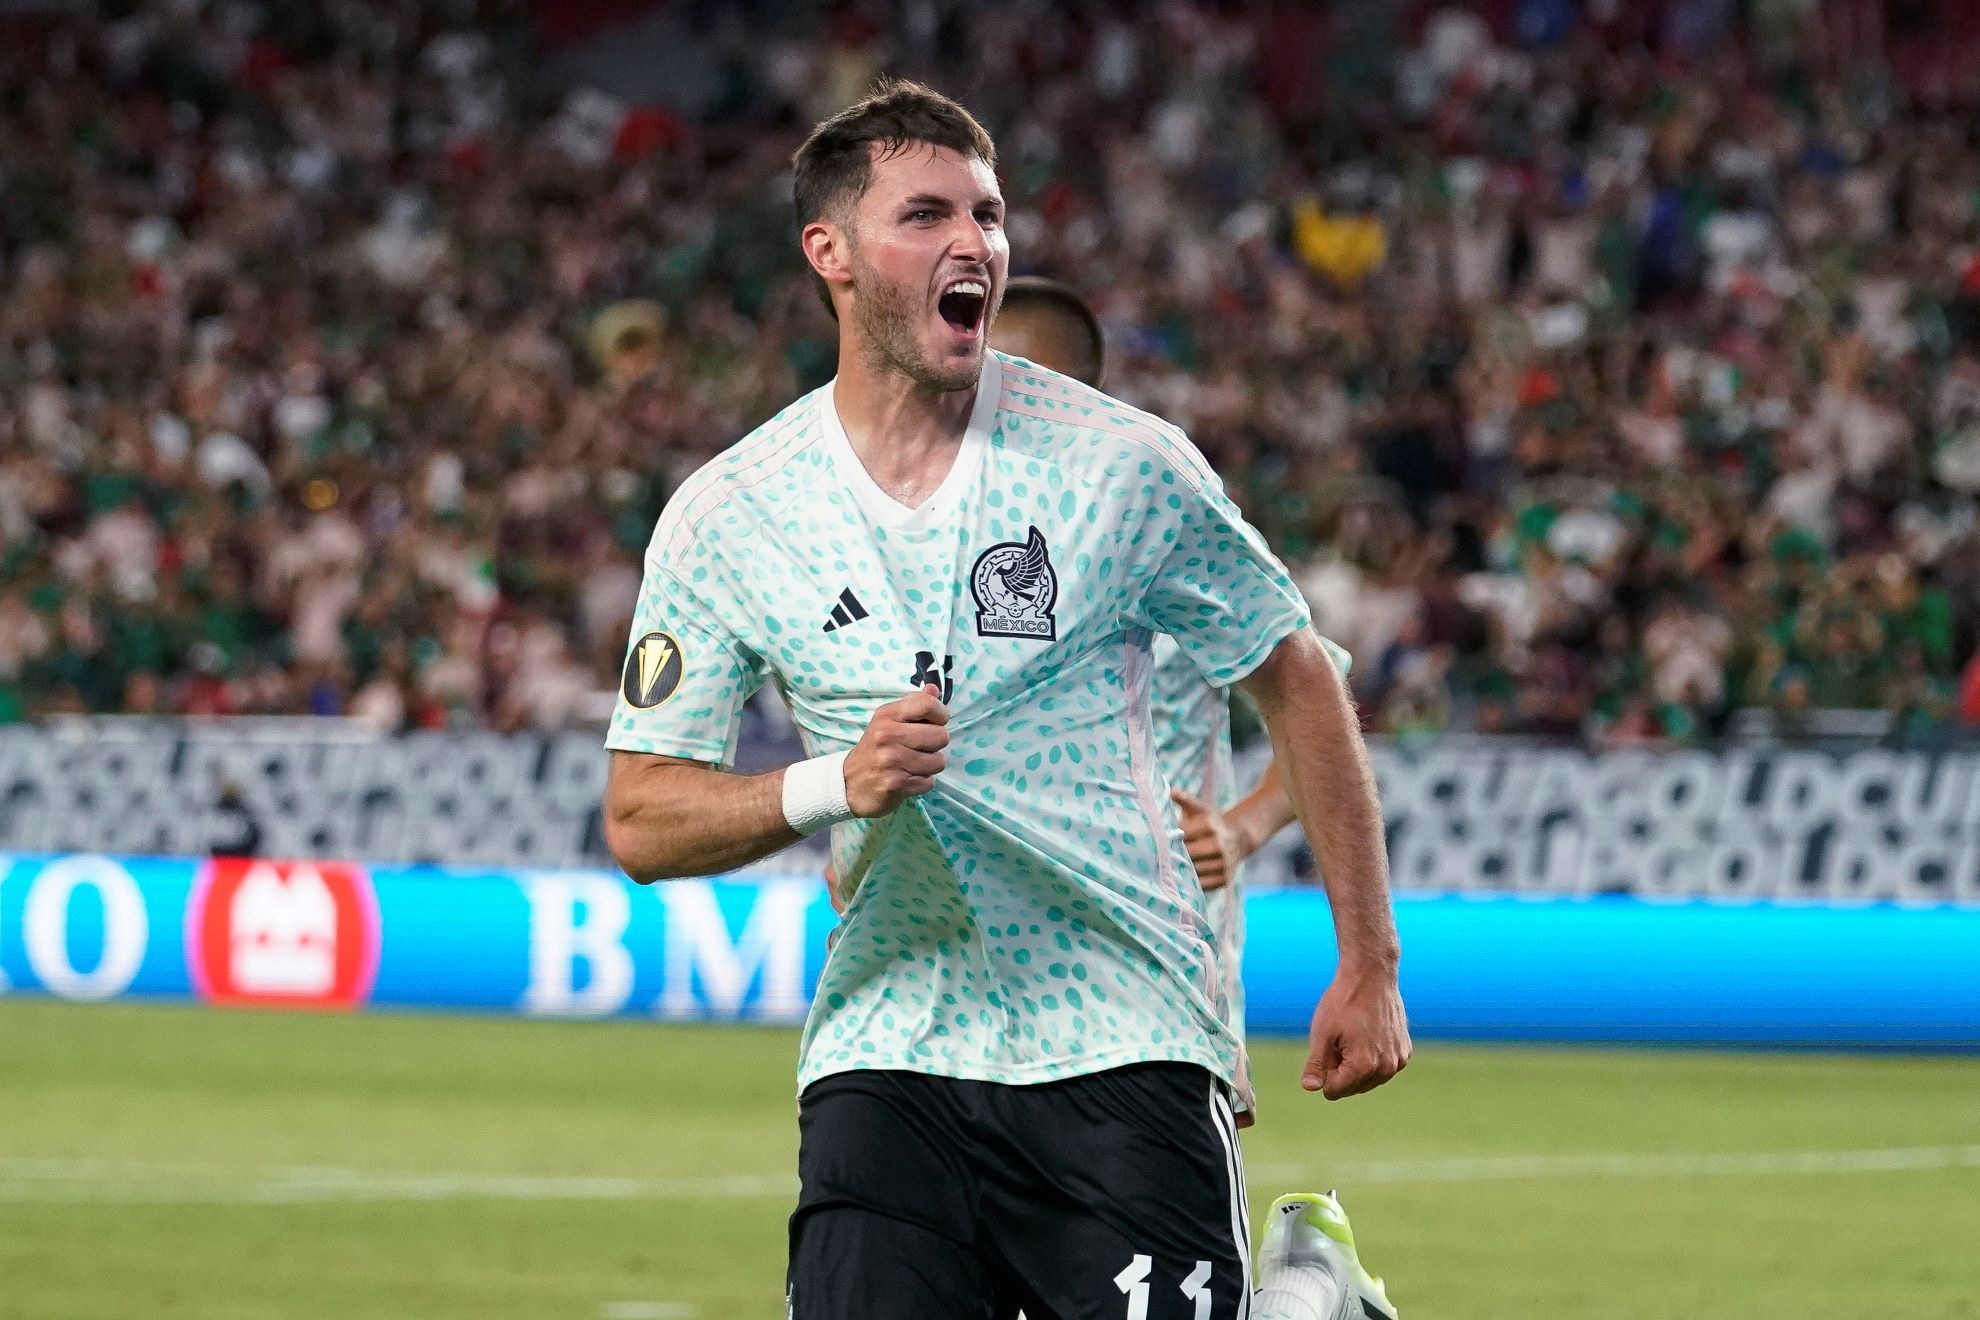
(1192, 723)
(1033, 916)
(1193, 747)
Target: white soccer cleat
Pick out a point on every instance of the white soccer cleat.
(1308, 1269)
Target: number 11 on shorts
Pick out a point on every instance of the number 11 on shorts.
(1197, 1288)
(1134, 1282)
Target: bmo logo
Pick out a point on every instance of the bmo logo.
(288, 934)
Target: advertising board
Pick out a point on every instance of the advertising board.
(589, 943)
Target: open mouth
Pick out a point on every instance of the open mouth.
(962, 304)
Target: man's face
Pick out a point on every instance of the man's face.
(928, 256)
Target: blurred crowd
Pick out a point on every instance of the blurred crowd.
(1600, 368)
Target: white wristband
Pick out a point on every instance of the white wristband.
(815, 793)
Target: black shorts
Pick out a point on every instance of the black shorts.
(1117, 1195)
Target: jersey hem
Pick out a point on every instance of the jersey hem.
(701, 752)
(1033, 1075)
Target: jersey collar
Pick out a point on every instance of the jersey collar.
(884, 508)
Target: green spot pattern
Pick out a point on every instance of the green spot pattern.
(1034, 916)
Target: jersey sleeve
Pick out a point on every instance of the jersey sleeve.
(686, 678)
(1207, 577)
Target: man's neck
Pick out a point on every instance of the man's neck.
(905, 434)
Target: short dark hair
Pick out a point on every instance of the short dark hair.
(835, 164)
(1050, 296)
(834, 167)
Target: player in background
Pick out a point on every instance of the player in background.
(952, 564)
(1307, 1265)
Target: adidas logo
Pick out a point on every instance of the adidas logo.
(846, 613)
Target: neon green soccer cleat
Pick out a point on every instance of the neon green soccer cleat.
(1308, 1269)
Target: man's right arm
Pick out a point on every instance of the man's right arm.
(666, 817)
(671, 807)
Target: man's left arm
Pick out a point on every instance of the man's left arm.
(1230, 605)
(1360, 1037)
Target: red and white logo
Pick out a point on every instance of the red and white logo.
(290, 934)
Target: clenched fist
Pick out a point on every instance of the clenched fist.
(1360, 1035)
(899, 755)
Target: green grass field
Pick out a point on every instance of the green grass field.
(179, 1162)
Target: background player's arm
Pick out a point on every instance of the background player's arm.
(1268, 808)
(1219, 841)
(1360, 1038)
(666, 817)
(1261, 813)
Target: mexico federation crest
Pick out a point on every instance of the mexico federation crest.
(653, 671)
(1015, 589)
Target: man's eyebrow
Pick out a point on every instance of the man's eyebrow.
(936, 200)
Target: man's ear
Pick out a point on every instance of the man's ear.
(828, 247)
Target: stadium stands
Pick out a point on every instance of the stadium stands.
(1601, 379)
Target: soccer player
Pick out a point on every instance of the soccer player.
(1015, 1081)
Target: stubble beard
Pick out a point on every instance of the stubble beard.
(886, 316)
